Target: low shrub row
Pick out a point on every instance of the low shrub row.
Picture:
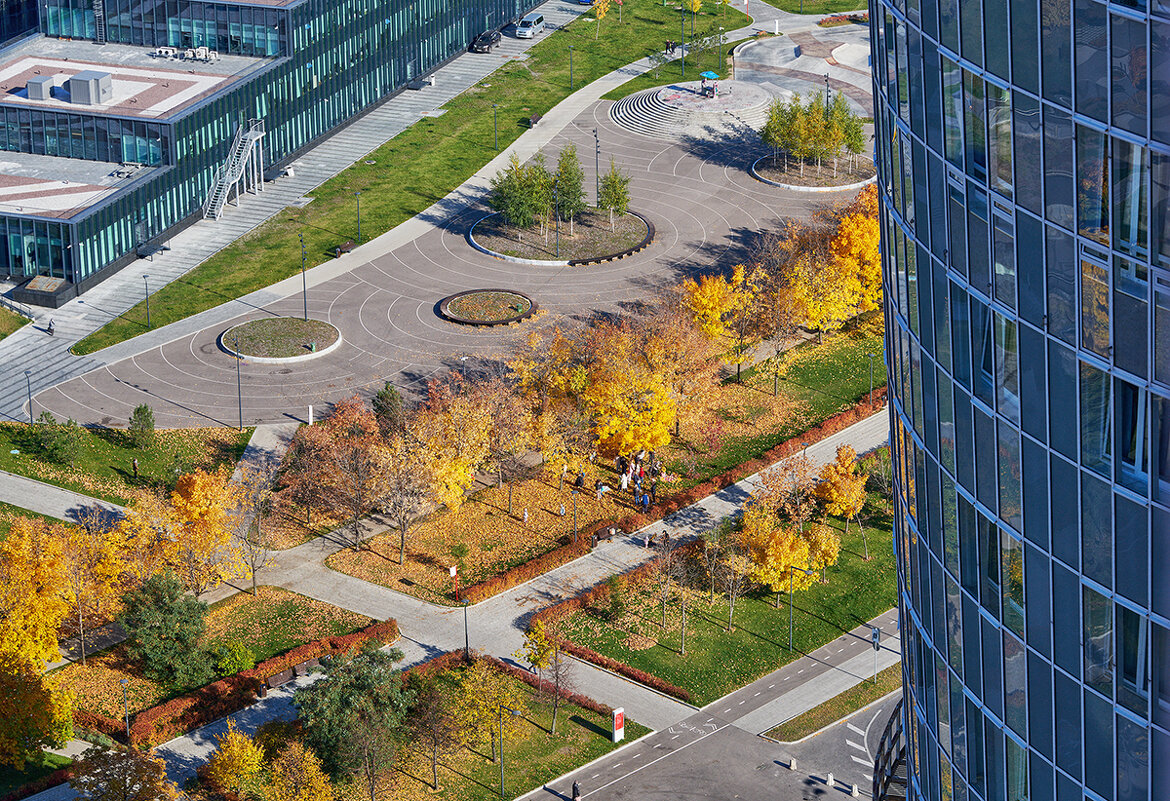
(229, 694)
(622, 669)
(868, 405)
(59, 776)
(860, 18)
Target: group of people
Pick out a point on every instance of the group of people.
(638, 475)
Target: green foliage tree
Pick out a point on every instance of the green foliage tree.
(510, 195)
(232, 657)
(163, 626)
(615, 191)
(570, 184)
(121, 774)
(355, 718)
(432, 723)
(805, 129)
(141, 427)
(61, 442)
(390, 410)
(539, 186)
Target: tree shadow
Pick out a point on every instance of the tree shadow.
(589, 725)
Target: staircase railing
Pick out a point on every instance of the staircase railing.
(99, 21)
(243, 163)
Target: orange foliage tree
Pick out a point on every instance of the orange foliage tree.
(204, 553)
(34, 593)
(454, 427)
(842, 489)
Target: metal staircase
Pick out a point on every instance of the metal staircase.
(243, 169)
(99, 21)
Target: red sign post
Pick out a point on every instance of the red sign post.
(619, 724)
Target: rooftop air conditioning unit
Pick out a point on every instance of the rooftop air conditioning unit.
(91, 88)
(41, 87)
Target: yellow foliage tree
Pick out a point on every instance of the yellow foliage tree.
(631, 411)
(483, 692)
(710, 300)
(34, 594)
(729, 310)
(205, 553)
(148, 532)
(538, 648)
(34, 712)
(296, 775)
(842, 488)
(236, 765)
(824, 546)
(93, 563)
(779, 555)
(454, 426)
(676, 348)
(600, 9)
(855, 249)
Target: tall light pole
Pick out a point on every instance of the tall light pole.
(870, 355)
(682, 24)
(826, 94)
(570, 68)
(495, 125)
(466, 634)
(304, 282)
(597, 167)
(791, 573)
(239, 386)
(557, 212)
(571, 492)
(126, 706)
(513, 713)
(358, 195)
(28, 383)
(146, 284)
(720, 47)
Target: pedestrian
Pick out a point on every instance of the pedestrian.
(638, 484)
(526, 515)
(625, 481)
(579, 483)
(645, 502)
(52, 326)
(562, 510)
(576, 791)
(654, 490)
(135, 463)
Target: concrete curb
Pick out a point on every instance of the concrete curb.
(280, 360)
(808, 737)
(614, 673)
(645, 243)
(544, 787)
(795, 188)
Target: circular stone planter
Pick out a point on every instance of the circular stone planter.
(799, 188)
(638, 248)
(487, 307)
(280, 340)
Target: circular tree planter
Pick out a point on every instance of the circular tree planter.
(593, 241)
(814, 179)
(276, 340)
(487, 307)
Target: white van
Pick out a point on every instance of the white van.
(530, 26)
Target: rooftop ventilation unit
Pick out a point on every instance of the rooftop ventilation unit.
(41, 87)
(91, 88)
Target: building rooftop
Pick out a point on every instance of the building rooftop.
(48, 186)
(145, 83)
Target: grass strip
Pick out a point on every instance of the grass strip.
(11, 322)
(839, 706)
(416, 168)
(672, 71)
(12, 779)
(818, 7)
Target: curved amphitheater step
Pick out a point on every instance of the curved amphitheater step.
(680, 110)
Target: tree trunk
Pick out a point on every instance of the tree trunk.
(665, 592)
(402, 543)
(556, 707)
(611, 227)
(682, 649)
(509, 498)
(864, 539)
(434, 766)
(777, 600)
(730, 609)
(81, 632)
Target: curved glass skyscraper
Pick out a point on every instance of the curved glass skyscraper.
(1023, 151)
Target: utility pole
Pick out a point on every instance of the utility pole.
(597, 167)
(304, 284)
(239, 386)
(146, 284)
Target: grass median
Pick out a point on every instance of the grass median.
(839, 706)
(671, 71)
(11, 322)
(414, 169)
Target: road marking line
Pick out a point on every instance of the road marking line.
(636, 756)
(858, 746)
(648, 764)
(675, 737)
(859, 760)
(786, 678)
(770, 686)
(741, 703)
(755, 695)
(855, 730)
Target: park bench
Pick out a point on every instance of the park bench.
(535, 118)
(283, 677)
(344, 247)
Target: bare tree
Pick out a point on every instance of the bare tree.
(406, 487)
(562, 676)
(664, 568)
(734, 569)
(432, 725)
(256, 480)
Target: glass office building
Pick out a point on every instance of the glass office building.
(186, 75)
(1023, 151)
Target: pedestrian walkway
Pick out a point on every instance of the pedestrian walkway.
(51, 501)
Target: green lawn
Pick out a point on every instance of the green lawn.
(104, 467)
(839, 706)
(822, 378)
(671, 71)
(718, 662)
(11, 322)
(11, 779)
(819, 7)
(416, 168)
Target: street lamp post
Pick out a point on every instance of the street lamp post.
(682, 24)
(870, 355)
(126, 706)
(720, 47)
(597, 167)
(570, 68)
(358, 195)
(239, 386)
(28, 383)
(513, 713)
(557, 212)
(573, 493)
(791, 574)
(826, 94)
(146, 284)
(495, 125)
(466, 634)
(304, 282)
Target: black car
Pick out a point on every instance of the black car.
(485, 42)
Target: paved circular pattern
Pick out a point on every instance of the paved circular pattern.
(487, 307)
(681, 110)
(595, 259)
(707, 209)
(807, 188)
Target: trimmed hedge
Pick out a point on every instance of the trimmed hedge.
(621, 668)
(59, 776)
(868, 405)
(229, 694)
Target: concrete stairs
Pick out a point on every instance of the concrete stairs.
(646, 114)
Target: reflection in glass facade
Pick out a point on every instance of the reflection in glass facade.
(324, 62)
(1023, 149)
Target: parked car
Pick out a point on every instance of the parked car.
(485, 42)
(530, 26)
